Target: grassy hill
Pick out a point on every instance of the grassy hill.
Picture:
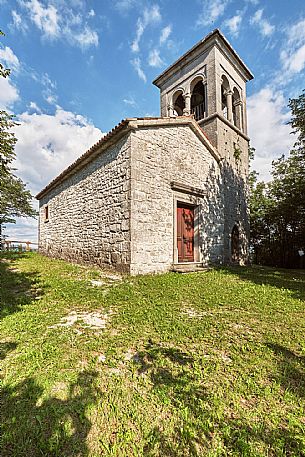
(203, 364)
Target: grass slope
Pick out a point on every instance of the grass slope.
(203, 364)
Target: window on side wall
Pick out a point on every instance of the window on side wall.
(46, 213)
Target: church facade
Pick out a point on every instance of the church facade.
(166, 193)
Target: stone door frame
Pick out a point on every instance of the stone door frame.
(191, 200)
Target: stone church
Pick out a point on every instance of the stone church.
(164, 193)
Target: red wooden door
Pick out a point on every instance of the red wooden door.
(185, 233)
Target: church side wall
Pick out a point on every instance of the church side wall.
(160, 156)
(89, 212)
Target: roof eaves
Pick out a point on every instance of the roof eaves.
(84, 158)
(124, 125)
(215, 32)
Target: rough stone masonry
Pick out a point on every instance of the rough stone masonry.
(117, 204)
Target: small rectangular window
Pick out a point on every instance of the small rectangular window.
(46, 213)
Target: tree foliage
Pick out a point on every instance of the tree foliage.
(297, 106)
(15, 199)
(278, 208)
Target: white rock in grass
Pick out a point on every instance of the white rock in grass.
(226, 359)
(112, 277)
(97, 283)
(193, 313)
(96, 320)
(116, 371)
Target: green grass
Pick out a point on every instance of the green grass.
(203, 364)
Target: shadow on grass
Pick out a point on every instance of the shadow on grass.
(291, 369)
(53, 426)
(293, 280)
(177, 383)
(6, 348)
(17, 289)
(171, 373)
(242, 439)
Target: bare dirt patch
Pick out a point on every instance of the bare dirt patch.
(93, 320)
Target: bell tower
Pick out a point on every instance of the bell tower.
(209, 83)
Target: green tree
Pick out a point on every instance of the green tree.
(260, 222)
(297, 106)
(15, 199)
(278, 208)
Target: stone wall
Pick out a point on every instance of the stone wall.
(202, 64)
(232, 145)
(159, 156)
(89, 212)
(235, 167)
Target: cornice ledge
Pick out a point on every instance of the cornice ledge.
(228, 123)
(175, 121)
(181, 187)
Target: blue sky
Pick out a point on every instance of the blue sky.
(79, 67)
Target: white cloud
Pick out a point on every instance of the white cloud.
(150, 16)
(9, 58)
(124, 6)
(211, 11)
(294, 61)
(268, 129)
(8, 93)
(49, 88)
(130, 101)
(51, 99)
(47, 81)
(264, 26)
(33, 106)
(293, 54)
(45, 18)
(165, 33)
(49, 143)
(25, 229)
(87, 38)
(62, 20)
(136, 63)
(46, 145)
(18, 22)
(154, 59)
(233, 24)
(140, 30)
(296, 33)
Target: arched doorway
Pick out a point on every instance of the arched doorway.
(235, 244)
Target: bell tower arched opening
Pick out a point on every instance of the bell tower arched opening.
(198, 104)
(237, 109)
(224, 97)
(178, 104)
